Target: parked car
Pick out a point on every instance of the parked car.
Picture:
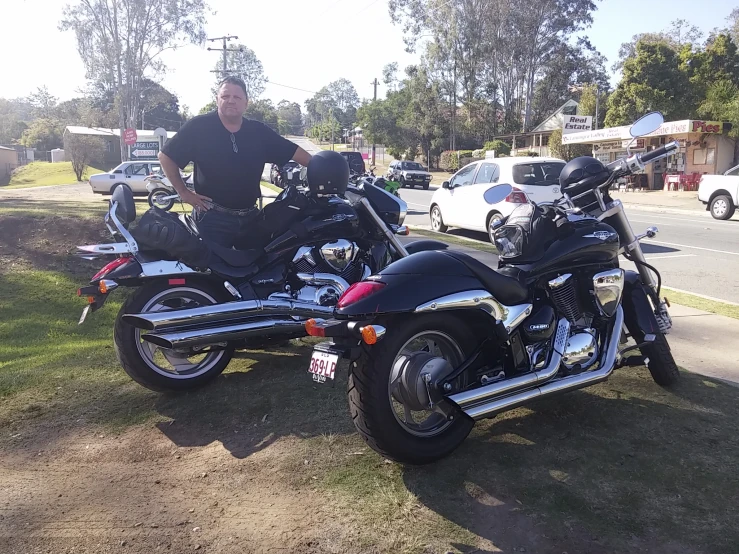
(409, 174)
(130, 174)
(720, 193)
(460, 203)
(355, 161)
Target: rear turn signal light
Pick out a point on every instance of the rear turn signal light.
(369, 335)
(516, 197)
(357, 292)
(312, 328)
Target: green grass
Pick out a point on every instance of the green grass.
(457, 241)
(700, 303)
(37, 174)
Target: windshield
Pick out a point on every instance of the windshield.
(413, 166)
(538, 173)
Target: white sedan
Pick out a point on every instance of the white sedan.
(460, 203)
(131, 174)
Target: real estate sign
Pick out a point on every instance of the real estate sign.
(145, 150)
(576, 123)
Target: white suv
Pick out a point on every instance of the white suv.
(409, 174)
(460, 203)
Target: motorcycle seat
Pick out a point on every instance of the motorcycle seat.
(506, 284)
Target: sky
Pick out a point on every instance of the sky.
(304, 44)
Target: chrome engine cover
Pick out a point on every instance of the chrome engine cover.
(339, 253)
(581, 349)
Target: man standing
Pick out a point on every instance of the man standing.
(229, 153)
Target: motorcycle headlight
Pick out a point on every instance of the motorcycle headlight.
(509, 241)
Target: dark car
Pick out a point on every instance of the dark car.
(355, 161)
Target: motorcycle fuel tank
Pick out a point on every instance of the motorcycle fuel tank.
(325, 222)
(583, 241)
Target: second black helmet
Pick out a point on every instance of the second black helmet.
(328, 173)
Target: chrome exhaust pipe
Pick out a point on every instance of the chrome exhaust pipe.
(182, 339)
(226, 312)
(565, 384)
(478, 395)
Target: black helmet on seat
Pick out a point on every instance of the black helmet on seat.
(328, 173)
(582, 174)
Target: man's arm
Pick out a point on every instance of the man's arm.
(302, 157)
(172, 171)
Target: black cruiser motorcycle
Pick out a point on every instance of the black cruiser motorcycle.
(195, 302)
(439, 340)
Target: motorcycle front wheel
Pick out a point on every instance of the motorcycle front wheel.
(160, 369)
(388, 425)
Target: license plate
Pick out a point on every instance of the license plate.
(84, 314)
(323, 365)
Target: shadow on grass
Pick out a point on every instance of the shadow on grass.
(622, 460)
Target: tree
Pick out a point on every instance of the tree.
(263, 110)
(13, 117)
(82, 150)
(652, 80)
(289, 118)
(243, 63)
(120, 42)
(159, 108)
(43, 102)
(209, 107)
(43, 134)
(390, 75)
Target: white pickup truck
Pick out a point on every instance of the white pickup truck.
(720, 193)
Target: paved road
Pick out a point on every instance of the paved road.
(692, 252)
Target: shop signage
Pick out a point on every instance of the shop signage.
(618, 145)
(576, 123)
(669, 128)
(705, 126)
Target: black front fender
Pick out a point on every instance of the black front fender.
(638, 310)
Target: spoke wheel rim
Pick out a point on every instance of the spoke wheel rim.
(156, 199)
(169, 363)
(425, 423)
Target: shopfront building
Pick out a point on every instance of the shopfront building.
(705, 148)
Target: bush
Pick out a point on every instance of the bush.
(464, 153)
(501, 148)
(468, 160)
(449, 161)
(526, 153)
(479, 153)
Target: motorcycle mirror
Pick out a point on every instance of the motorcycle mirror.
(646, 124)
(498, 193)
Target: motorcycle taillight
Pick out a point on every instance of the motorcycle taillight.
(357, 292)
(118, 262)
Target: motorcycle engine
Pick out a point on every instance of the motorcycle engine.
(339, 257)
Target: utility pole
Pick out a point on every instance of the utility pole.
(225, 49)
(375, 83)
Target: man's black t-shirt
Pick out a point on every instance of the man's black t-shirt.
(230, 178)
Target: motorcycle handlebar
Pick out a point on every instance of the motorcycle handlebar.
(659, 152)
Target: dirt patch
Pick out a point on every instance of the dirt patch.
(48, 242)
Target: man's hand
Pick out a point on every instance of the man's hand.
(196, 200)
(173, 174)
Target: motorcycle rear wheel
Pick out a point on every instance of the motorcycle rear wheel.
(154, 199)
(375, 409)
(160, 369)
